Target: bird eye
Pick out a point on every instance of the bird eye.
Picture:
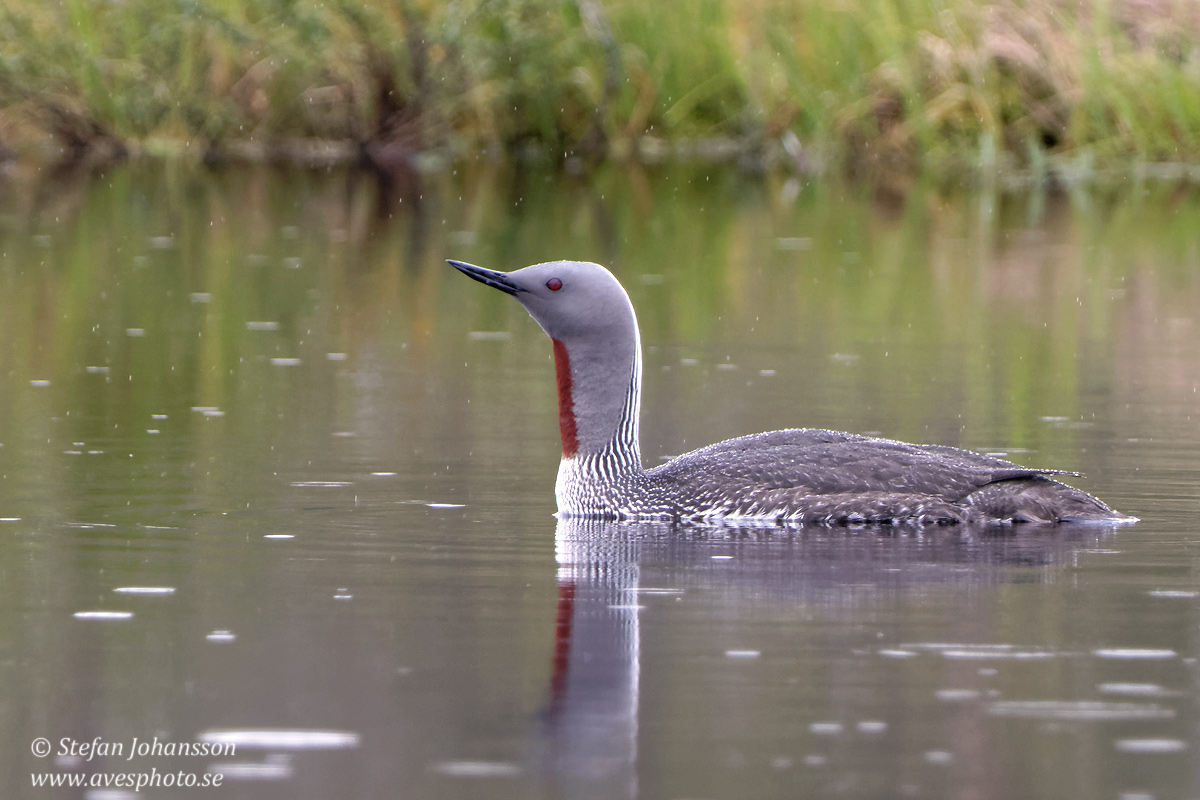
(554, 284)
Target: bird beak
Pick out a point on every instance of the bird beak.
(489, 277)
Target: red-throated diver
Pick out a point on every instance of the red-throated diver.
(800, 476)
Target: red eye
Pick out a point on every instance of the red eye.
(554, 284)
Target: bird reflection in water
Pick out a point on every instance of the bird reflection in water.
(592, 714)
(589, 746)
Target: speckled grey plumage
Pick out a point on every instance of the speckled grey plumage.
(800, 476)
(820, 476)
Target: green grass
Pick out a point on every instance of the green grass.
(878, 84)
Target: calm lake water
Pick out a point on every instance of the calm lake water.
(275, 480)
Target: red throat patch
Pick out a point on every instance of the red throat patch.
(566, 403)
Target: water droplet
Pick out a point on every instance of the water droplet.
(478, 769)
(1083, 710)
(1134, 653)
(272, 769)
(1151, 745)
(998, 651)
(283, 739)
(793, 243)
(1139, 689)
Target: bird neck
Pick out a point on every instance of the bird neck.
(599, 400)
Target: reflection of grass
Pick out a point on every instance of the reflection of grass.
(892, 83)
(924, 319)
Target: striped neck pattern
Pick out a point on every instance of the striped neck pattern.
(602, 481)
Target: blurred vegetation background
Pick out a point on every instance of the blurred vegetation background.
(886, 85)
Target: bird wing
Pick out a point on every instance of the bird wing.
(815, 462)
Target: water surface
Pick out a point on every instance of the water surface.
(273, 475)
